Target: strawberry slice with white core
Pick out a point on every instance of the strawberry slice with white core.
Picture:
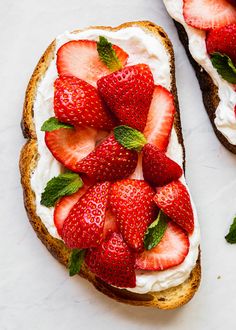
(80, 58)
(170, 252)
(160, 118)
(69, 146)
(208, 14)
(63, 207)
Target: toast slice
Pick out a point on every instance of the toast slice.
(210, 91)
(168, 299)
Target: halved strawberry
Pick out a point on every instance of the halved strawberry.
(63, 207)
(138, 172)
(76, 102)
(160, 118)
(113, 262)
(110, 161)
(69, 146)
(158, 169)
(128, 93)
(208, 14)
(174, 200)
(223, 40)
(170, 252)
(80, 58)
(83, 228)
(132, 203)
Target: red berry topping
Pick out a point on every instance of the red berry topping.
(76, 102)
(174, 200)
(170, 252)
(83, 228)
(128, 93)
(113, 262)
(132, 203)
(80, 58)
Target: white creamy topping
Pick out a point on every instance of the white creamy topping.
(225, 120)
(142, 48)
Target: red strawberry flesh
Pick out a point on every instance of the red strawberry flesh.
(63, 207)
(223, 40)
(171, 251)
(83, 228)
(208, 14)
(80, 58)
(128, 93)
(113, 262)
(158, 169)
(160, 118)
(110, 161)
(76, 102)
(174, 200)
(69, 146)
(132, 203)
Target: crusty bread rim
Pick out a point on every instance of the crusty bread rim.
(167, 299)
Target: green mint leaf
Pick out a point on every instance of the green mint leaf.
(108, 55)
(224, 66)
(129, 137)
(155, 231)
(231, 236)
(62, 185)
(76, 261)
(52, 124)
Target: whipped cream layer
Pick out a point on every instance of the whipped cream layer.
(142, 48)
(225, 119)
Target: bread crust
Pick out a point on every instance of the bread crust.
(209, 89)
(167, 299)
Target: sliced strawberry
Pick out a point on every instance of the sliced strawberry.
(69, 146)
(113, 262)
(205, 14)
(83, 228)
(109, 161)
(170, 252)
(223, 40)
(80, 58)
(128, 93)
(160, 118)
(174, 200)
(138, 172)
(158, 169)
(110, 225)
(76, 102)
(63, 207)
(132, 203)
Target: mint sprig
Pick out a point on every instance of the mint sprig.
(62, 185)
(108, 55)
(224, 66)
(75, 262)
(52, 124)
(155, 231)
(129, 138)
(231, 236)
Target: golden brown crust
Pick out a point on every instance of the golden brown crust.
(167, 299)
(209, 89)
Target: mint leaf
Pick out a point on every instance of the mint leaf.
(76, 261)
(224, 66)
(155, 231)
(52, 124)
(107, 54)
(129, 137)
(62, 185)
(231, 236)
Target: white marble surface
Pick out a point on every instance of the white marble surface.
(35, 290)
